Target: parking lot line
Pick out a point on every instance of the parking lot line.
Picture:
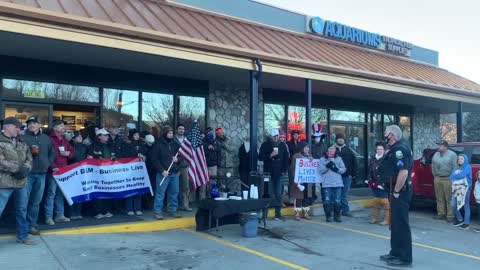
(248, 250)
(388, 238)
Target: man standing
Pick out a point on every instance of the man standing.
(225, 164)
(396, 169)
(443, 163)
(183, 166)
(212, 155)
(116, 140)
(350, 161)
(63, 154)
(15, 165)
(43, 155)
(275, 161)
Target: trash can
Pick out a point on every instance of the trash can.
(249, 224)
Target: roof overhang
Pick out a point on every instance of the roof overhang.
(46, 24)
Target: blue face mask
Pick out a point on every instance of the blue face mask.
(211, 135)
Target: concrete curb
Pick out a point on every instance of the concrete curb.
(179, 223)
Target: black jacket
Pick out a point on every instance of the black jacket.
(103, 150)
(81, 151)
(349, 159)
(214, 155)
(162, 153)
(318, 149)
(277, 163)
(292, 147)
(46, 155)
(117, 145)
(244, 168)
(133, 148)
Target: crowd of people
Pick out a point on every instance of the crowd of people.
(29, 157)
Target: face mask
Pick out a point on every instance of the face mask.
(387, 138)
(317, 139)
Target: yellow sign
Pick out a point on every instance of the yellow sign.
(34, 93)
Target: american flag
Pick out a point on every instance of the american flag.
(192, 151)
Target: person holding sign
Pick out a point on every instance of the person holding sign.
(301, 152)
(331, 168)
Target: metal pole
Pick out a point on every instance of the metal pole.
(253, 157)
(460, 122)
(308, 111)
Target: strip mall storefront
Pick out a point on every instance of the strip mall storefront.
(145, 64)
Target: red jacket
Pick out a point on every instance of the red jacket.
(61, 161)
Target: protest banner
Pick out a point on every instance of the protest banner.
(103, 179)
(306, 171)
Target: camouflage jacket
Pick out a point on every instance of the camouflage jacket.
(13, 157)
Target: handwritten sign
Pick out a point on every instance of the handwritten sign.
(306, 171)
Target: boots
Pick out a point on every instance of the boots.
(306, 214)
(327, 207)
(337, 210)
(386, 208)
(298, 212)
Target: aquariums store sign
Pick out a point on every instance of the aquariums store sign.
(357, 36)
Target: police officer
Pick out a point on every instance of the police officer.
(396, 168)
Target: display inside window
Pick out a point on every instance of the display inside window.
(296, 121)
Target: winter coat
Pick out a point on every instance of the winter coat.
(318, 149)
(13, 157)
(81, 151)
(213, 156)
(162, 153)
(117, 145)
(349, 159)
(244, 166)
(101, 150)
(372, 178)
(292, 147)
(225, 153)
(42, 161)
(279, 163)
(463, 172)
(329, 177)
(133, 148)
(61, 161)
(182, 164)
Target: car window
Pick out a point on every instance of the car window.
(475, 159)
(428, 155)
(457, 149)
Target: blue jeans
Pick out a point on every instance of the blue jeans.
(466, 207)
(134, 203)
(54, 198)
(35, 189)
(171, 187)
(333, 195)
(21, 202)
(347, 183)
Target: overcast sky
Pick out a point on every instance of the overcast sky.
(451, 27)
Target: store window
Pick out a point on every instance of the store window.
(23, 112)
(157, 112)
(471, 126)
(475, 159)
(31, 90)
(375, 131)
(388, 120)
(347, 116)
(406, 126)
(296, 121)
(320, 116)
(120, 108)
(274, 117)
(191, 109)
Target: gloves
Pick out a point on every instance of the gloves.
(330, 165)
(334, 168)
(22, 173)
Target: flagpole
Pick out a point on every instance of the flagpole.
(168, 170)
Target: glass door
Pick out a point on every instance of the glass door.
(355, 138)
(22, 111)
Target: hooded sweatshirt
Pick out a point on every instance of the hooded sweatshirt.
(162, 153)
(463, 172)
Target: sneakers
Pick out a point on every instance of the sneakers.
(34, 231)
(62, 219)
(159, 216)
(130, 213)
(138, 213)
(76, 217)
(477, 230)
(457, 223)
(99, 216)
(49, 221)
(108, 215)
(27, 241)
(464, 227)
(279, 218)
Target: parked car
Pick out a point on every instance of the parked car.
(422, 177)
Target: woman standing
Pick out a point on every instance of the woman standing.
(81, 151)
(134, 148)
(301, 152)
(461, 178)
(331, 169)
(380, 194)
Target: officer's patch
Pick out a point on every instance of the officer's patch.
(399, 154)
(400, 164)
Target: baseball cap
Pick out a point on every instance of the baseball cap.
(443, 142)
(275, 132)
(57, 123)
(33, 119)
(102, 132)
(149, 138)
(12, 121)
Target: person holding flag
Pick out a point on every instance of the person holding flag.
(165, 162)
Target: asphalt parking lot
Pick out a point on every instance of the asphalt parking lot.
(353, 244)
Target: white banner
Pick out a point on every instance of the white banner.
(103, 179)
(306, 171)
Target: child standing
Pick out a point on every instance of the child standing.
(379, 193)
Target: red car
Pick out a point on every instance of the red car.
(422, 177)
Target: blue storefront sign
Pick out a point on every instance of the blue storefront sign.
(357, 36)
